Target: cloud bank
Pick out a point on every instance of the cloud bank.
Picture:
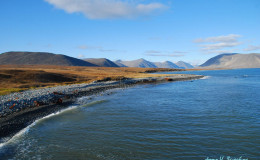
(108, 9)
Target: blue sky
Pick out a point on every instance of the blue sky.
(157, 30)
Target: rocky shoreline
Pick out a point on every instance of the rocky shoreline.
(18, 110)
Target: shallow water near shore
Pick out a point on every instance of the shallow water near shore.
(207, 118)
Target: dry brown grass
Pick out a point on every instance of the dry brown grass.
(15, 78)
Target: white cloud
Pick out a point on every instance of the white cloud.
(252, 48)
(221, 51)
(152, 52)
(86, 47)
(219, 44)
(162, 54)
(227, 39)
(165, 55)
(108, 50)
(81, 56)
(98, 48)
(180, 52)
(107, 9)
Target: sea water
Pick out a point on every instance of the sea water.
(217, 117)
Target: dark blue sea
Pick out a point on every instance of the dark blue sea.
(211, 118)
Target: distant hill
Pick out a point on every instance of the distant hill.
(101, 62)
(142, 63)
(40, 58)
(139, 63)
(166, 64)
(119, 63)
(215, 60)
(233, 60)
(184, 65)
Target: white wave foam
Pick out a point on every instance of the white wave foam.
(55, 114)
(206, 77)
(17, 136)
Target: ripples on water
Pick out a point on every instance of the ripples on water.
(212, 117)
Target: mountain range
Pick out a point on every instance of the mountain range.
(139, 63)
(142, 63)
(101, 62)
(40, 58)
(184, 65)
(119, 63)
(233, 60)
(44, 58)
(166, 64)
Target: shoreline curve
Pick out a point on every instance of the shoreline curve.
(21, 110)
